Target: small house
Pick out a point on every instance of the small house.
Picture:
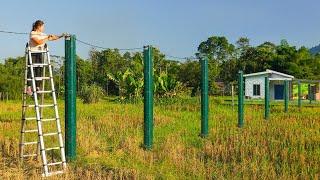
(255, 84)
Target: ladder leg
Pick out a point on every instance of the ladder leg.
(23, 116)
(43, 86)
(35, 97)
(37, 60)
(61, 144)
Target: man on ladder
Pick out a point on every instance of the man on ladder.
(37, 42)
(37, 60)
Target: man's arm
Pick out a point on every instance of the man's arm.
(54, 37)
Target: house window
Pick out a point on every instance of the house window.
(256, 89)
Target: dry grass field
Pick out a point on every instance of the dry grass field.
(110, 136)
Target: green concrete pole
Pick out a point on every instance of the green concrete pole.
(204, 96)
(299, 94)
(266, 98)
(240, 99)
(286, 95)
(309, 93)
(70, 97)
(148, 97)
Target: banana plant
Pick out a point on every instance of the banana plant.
(120, 79)
(130, 84)
(135, 86)
(166, 86)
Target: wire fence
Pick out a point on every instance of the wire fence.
(104, 48)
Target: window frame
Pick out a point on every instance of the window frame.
(256, 90)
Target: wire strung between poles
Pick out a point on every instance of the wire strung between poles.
(12, 32)
(23, 33)
(181, 58)
(56, 56)
(100, 47)
(83, 42)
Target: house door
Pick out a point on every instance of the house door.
(278, 91)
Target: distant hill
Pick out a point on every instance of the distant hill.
(315, 49)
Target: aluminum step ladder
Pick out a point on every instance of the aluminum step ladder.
(40, 142)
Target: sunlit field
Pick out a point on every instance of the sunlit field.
(110, 137)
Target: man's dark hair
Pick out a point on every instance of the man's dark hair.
(37, 24)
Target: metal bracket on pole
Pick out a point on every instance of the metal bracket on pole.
(67, 37)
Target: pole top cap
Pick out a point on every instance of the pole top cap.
(147, 46)
(68, 36)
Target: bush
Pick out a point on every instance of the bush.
(91, 94)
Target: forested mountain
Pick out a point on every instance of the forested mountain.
(315, 50)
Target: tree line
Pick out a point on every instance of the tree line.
(110, 72)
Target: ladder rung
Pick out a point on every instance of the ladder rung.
(50, 134)
(31, 130)
(53, 148)
(39, 78)
(38, 65)
(31, 118)
(44, 120)
(53, 173)
(46, 105)
(43, 105)
(35, 51)
(42, 92)
(55, 163)
(29, 143)
(29, 155)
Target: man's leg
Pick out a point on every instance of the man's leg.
(38, 70)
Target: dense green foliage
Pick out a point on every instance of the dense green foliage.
(121, 74)
(91, 94)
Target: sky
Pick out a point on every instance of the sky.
(176, 27)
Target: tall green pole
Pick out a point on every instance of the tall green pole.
(309, 93)
(266, 98)
(286, 95)
(204, 96)
(299, 94)
(240, 99)
(70, 97)
(148, 97)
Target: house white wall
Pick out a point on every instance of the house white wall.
(259, 79)
(250, 81)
